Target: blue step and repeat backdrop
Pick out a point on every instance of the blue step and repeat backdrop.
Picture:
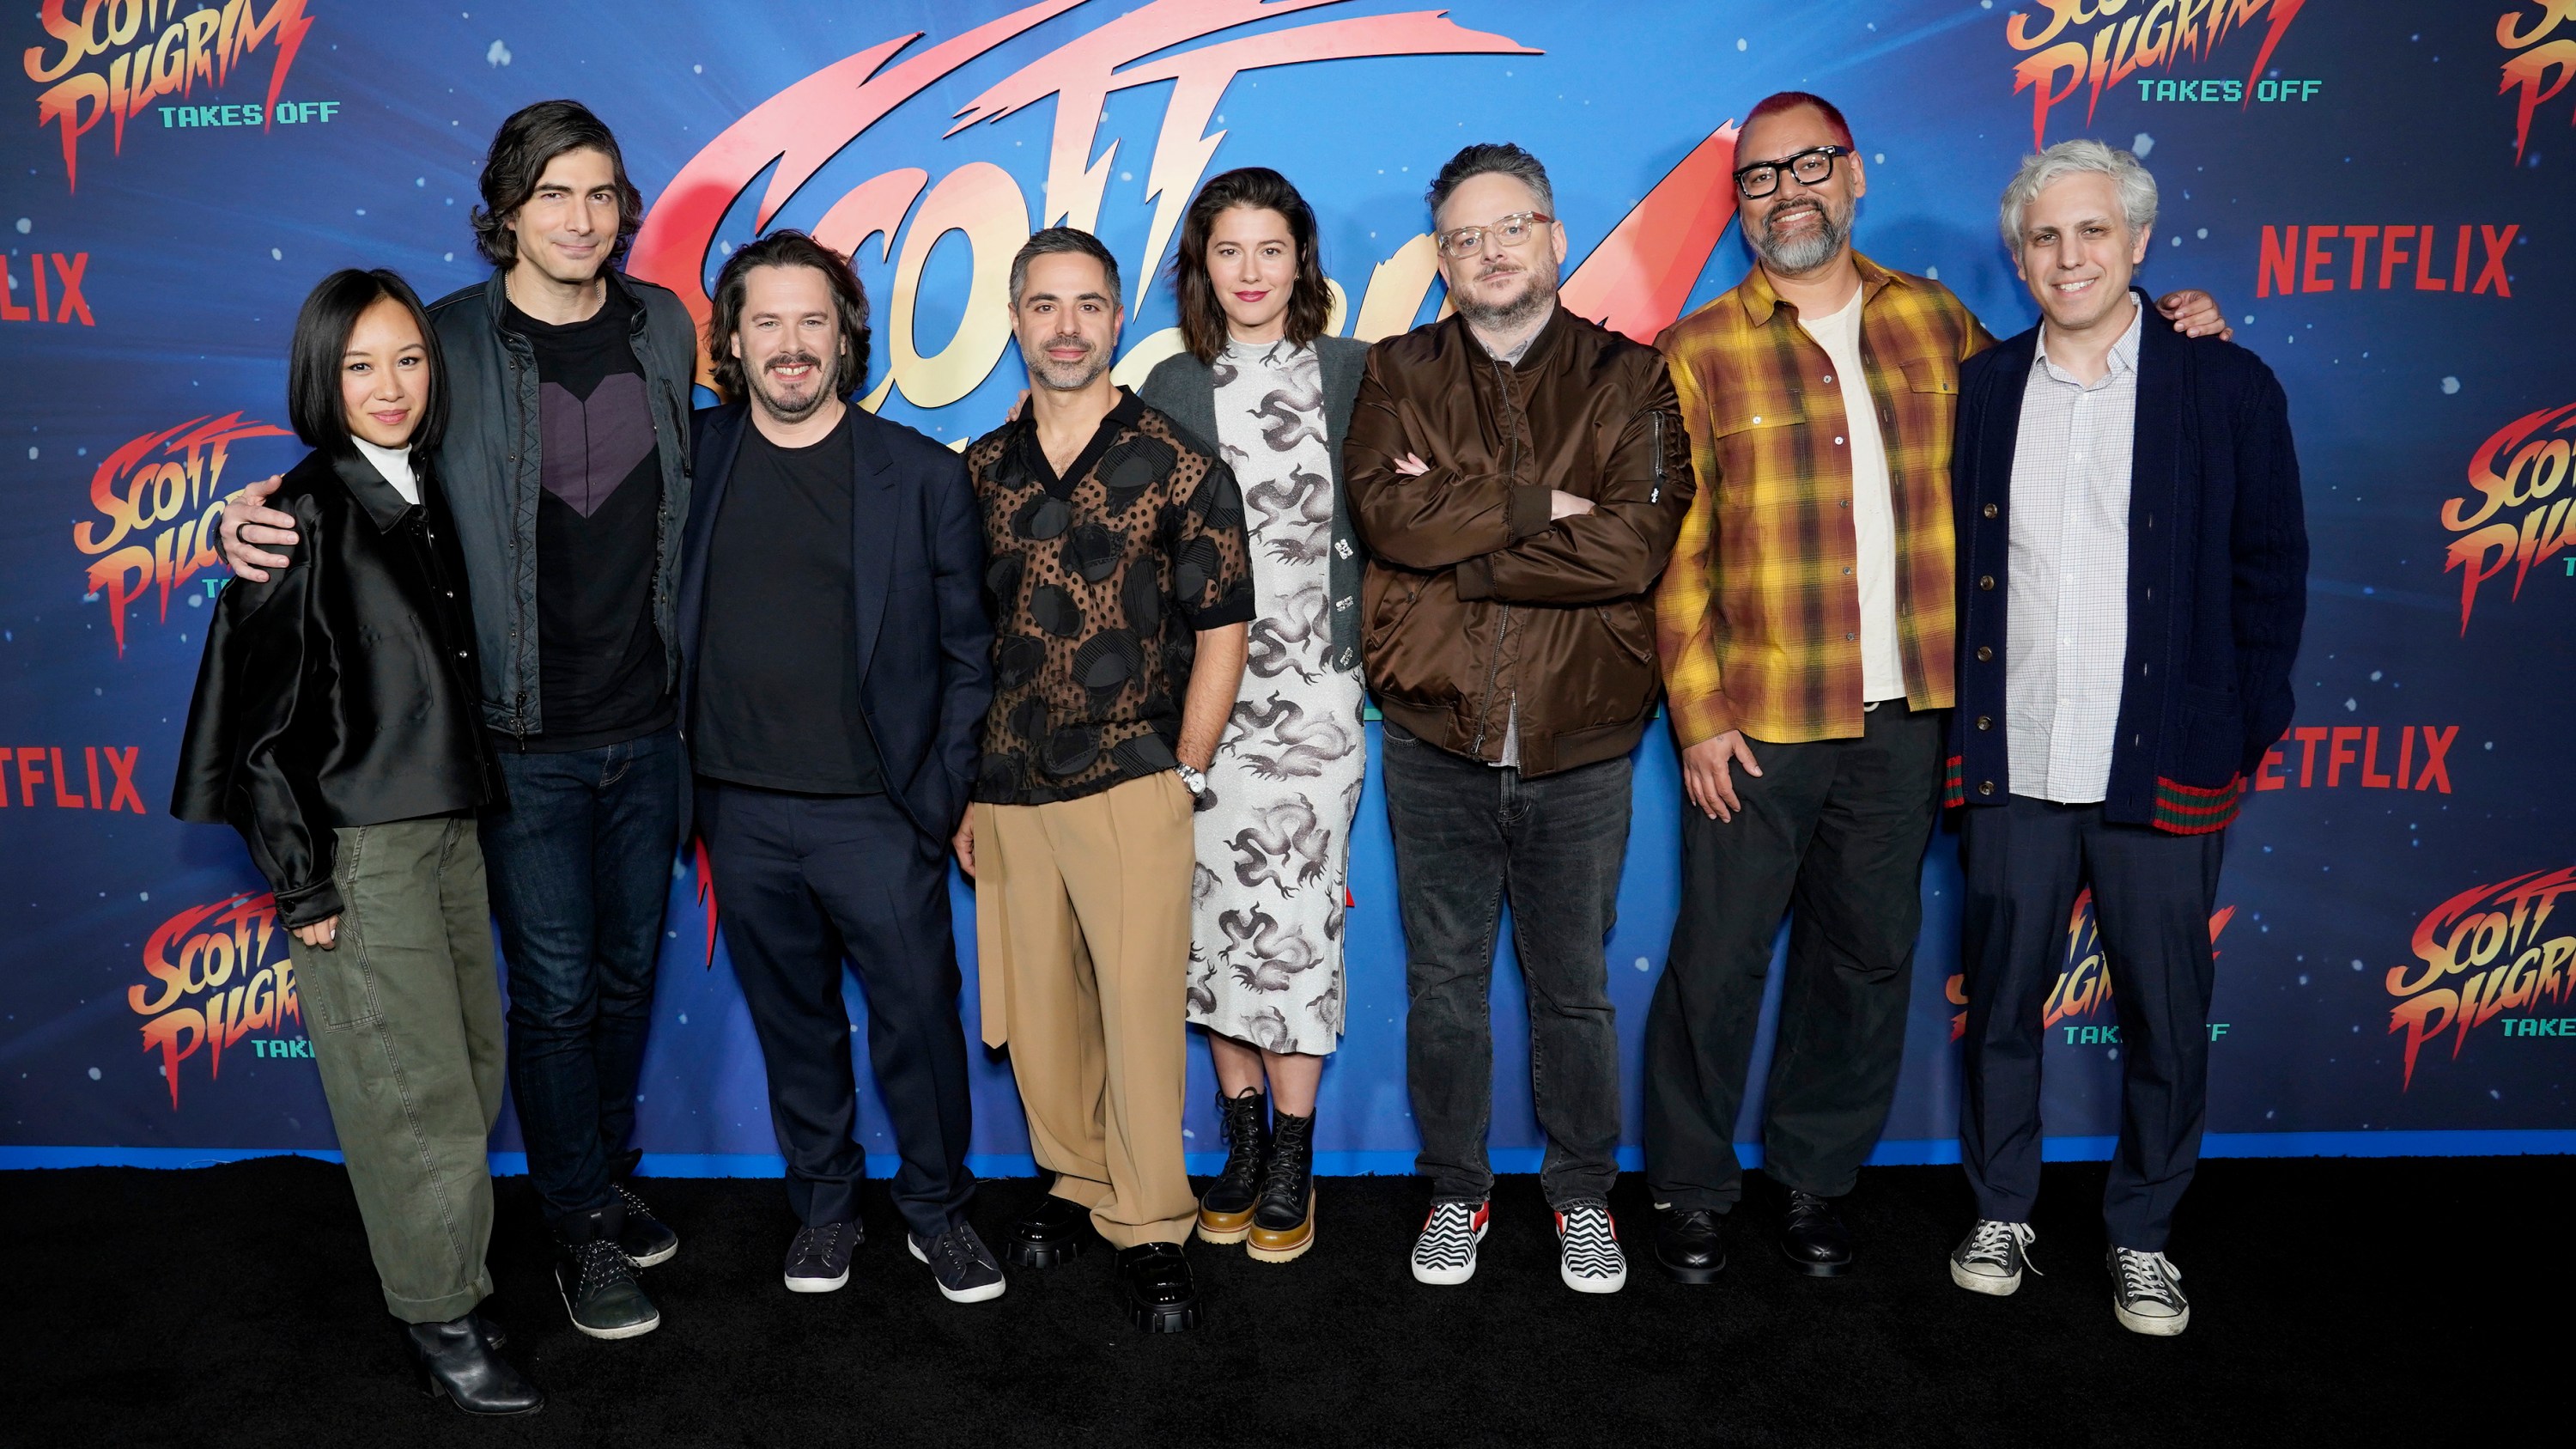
(2372, 188)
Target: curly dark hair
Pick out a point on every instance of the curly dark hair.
(521, 150)
(787, 247)
(1310, 301)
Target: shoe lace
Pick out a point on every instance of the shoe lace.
(1242, 1141)
(817, 1244)
(603, 1265)
(1286, 1171)
(1993, 1242)
(2147, 1275)
(634, 1205)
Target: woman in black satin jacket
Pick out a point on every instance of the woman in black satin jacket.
(335, 726)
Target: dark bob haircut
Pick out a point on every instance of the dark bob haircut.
(1255, 188)
(788, 248)
(525, 145)
(322, 338)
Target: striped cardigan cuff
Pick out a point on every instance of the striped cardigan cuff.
(2191, 810)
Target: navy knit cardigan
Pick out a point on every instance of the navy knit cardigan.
(2218, 573)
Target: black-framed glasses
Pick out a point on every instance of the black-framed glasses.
(1511, 231)
(1810, 166)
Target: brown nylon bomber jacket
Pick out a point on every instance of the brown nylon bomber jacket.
(1474, 599)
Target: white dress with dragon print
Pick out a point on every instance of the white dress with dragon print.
(1274, 830)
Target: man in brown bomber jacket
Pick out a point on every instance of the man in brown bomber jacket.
(1518, 475)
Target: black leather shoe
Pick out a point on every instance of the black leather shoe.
(1153, 1282)
(597, 1280)
(1054, 1233)
(1225, 1212)
(1690, 1244)
(456, 1363)
(649, 1242)
(1814, 1240)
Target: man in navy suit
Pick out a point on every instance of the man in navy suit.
(2132, 578)
(835, 671)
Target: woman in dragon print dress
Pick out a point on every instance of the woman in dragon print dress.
(1262, 381)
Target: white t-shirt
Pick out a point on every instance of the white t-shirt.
(1882, 663)
(394, 464)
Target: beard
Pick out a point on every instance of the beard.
(1507, 316)
(780, 406)
(1056, 376)
(1806, 250)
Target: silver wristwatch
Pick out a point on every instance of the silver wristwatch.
(1195, 779)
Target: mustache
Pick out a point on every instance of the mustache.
(791, 359)
(1065, 339)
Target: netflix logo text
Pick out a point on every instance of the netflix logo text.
(2466, 258)
(68, 777)
(2371, 757)
(57, 297)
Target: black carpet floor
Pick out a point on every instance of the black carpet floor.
(2334, 1302)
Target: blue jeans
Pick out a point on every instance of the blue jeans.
(580, 867)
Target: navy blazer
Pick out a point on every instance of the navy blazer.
(2218, 577)
(917, 560)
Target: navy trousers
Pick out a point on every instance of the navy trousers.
(2025, 860)
(804, 882)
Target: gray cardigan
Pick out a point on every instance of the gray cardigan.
(1185, 388)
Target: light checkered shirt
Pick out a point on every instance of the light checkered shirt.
(2067, 615)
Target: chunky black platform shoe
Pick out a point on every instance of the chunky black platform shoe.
(1154, 1286)
(1054, 1232)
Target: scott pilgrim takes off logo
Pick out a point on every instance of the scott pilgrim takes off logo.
(2515, 512)
(113, 58)
(2498, 938)
(159, 497)
(219, 972)
(2126, 37)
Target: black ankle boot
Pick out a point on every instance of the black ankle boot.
(1283, 1225)
(1225, 1214)
(456, 1362)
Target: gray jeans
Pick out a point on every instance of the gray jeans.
(1466, 836)
(405, 1015)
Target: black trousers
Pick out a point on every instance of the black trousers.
(802, 883)
(1832, 831)
(1467, 836)
(2152, 892)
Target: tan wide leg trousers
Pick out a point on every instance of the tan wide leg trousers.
(1082, 927)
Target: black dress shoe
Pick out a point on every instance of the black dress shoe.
(1055, 1232)
(1690, 1244)
(1814, 1240)
(1153, 1282)
(456, 1362)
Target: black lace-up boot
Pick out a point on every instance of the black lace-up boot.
(1283, 1226)
(1225, 1214)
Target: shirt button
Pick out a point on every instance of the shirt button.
(1757, 418)
(1986, 581)
(1847, 570)
(1985, 787)
(1985, 722)
(1842, 503)
(1991, 510)
(1847, 638)
(1985, 654)
(1829, 377)
(1838, 442)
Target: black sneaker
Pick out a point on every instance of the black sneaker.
(1153, 1282)
(2146, 1294)
(1992, 1258)
(648, 1241)
(819, 1260)
(961, 1263)
(598, 1283)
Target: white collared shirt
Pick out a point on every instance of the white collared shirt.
(1873, 510)
(2067, 614)
(395, 466)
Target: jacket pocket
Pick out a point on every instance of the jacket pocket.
(1631, 626)
(339, 985)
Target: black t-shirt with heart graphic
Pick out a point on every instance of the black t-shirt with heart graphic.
(600, 667)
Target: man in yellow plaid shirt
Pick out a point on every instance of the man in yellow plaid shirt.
(1805, 624)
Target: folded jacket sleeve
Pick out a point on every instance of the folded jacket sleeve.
(1435, 519)
(1615, 551)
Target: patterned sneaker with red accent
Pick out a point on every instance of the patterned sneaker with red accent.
(1588, 1256)
(1445, 1254)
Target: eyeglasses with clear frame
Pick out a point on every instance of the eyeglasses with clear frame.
(1811, 166)
(1513, 230)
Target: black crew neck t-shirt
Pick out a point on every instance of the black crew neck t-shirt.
(776, 703)
(600, 665)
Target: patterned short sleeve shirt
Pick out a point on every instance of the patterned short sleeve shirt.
(1098, 582)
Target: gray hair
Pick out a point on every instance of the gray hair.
(1058, 239)
(2137, 186)
(1486, 158)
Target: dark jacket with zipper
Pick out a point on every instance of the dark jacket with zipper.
(2218, 578)
(1184, 389)
(492, 462)
(1475, 601)
(342, 691)
(917, 567)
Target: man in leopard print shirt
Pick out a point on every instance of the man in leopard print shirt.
(1120, 589)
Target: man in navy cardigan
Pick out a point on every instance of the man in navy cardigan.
(2132, 579)
(835, 668)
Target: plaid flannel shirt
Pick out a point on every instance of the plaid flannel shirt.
(1758, 614)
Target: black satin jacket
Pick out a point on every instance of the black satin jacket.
(344, 690)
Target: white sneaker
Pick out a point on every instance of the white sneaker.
(1445, 1254)
(1588, 1256)
(2146, 1293)
(1992, 1257)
